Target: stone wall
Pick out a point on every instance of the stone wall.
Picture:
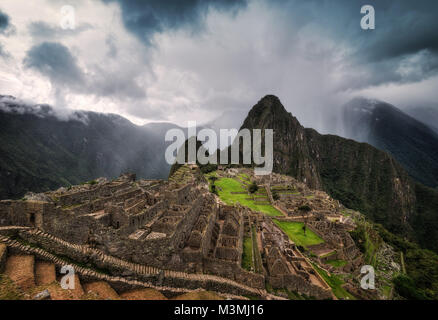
(22, 213)
(180, 195)
(297, 284)
(230, 270)
(3, 257)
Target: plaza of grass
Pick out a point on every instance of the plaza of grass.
(231, 191)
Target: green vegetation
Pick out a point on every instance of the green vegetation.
(227, 188)
(296, 233)
(328, 254)
(425, 222)
(247, 260)
(257, 257)
(335, 283)
(406, 287)
(305, 208)
(420, 265)
(243, 177)
(213, 179)
(208, 168)
(8, 289)
(337, 263)
(253, 187)
(367, 241)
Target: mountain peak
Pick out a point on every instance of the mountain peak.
(268, 113)
(270, 102)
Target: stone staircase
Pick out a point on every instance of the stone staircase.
(124, 284)
(143, 270)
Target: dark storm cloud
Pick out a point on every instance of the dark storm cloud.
(144, 18)
(55, 61)
(402, 48)
(6, 27)
(4, 21)
(404, 28)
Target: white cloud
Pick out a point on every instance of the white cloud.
(219, 72)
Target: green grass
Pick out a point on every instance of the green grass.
(226, 186)
(257, 257)
(9, 290)
(247, 261)
(335, 283)
(210, 174)
(387, 291)
(328, 254)
(337, 263)
(402, 262)
(371, 249)
(296, 233)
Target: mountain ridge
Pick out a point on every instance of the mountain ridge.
(361, 176)
(40, 151)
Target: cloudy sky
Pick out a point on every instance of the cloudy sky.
(184, 60)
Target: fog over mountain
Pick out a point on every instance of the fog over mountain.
(427, 115)
(43, 150)
(206, 61)
(411, 142)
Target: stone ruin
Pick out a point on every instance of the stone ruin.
(175, 225)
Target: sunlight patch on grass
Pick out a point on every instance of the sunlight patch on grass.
(296, 233)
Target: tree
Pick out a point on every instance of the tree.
(305, 209)
(213, 179)
(275, 195)
(253, 188)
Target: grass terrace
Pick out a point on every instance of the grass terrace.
(232, 192)
(337, 263)
(295, 232)
(335, 283)
(247, 260)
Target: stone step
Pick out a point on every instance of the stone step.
(131, 266)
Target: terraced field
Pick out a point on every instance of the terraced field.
(232, 192)
(247, 259)
(296, 233)
(335, 282)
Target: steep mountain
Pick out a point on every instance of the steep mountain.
(408, 140)
(358, 174)
(427, 115)
(39, 151)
